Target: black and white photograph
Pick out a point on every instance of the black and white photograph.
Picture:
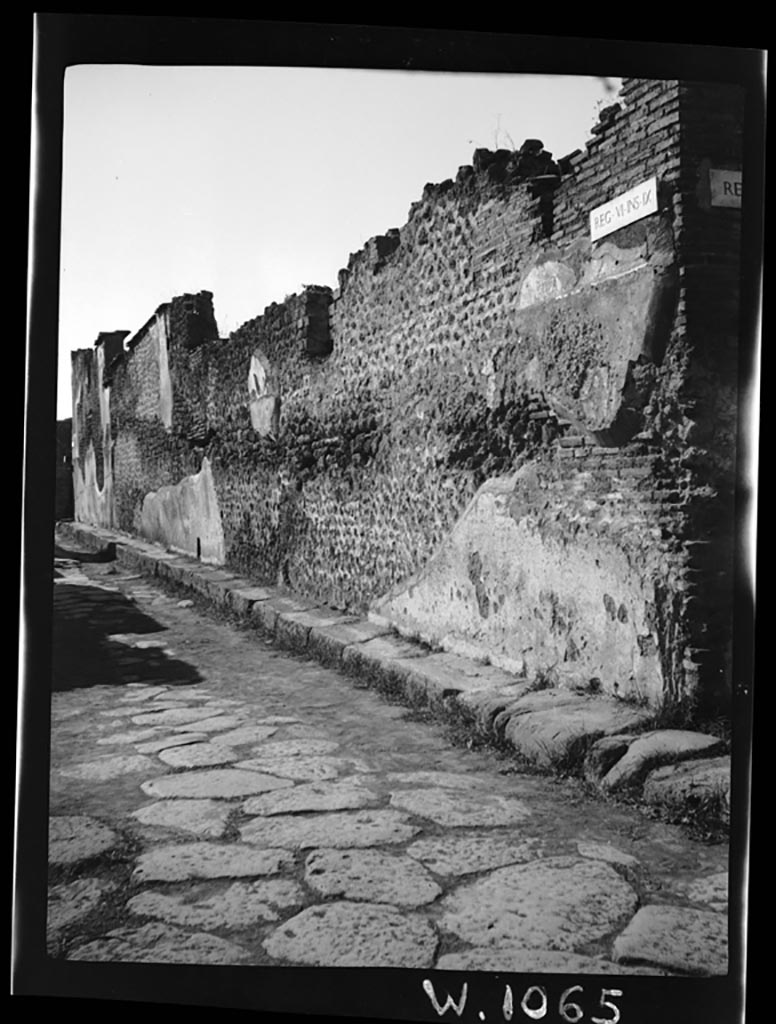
(390, 517)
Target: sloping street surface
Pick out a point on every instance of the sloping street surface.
(217, 801)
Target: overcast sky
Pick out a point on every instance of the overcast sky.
(252, 182)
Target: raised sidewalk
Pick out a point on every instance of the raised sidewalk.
(615, 745)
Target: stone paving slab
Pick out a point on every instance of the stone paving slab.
(346, 795)
(608, 853)
(652, 936)
(146, 694)
(73, 901)
(327, 643)
(690, 785)
(182, 862)
(517, 960)
(265, 613)
(246, 734)
(165, 742)
(108, 768)
(220, 783)
(304, 732)
(302, 769)
(555, 904)
(296, 748)
(605, 753)
(455, 809)
(485, 705)
(160, 943)
(453, 856)
(386, 655)
(172, 716)
(241, 905)
(354, 935)
(450, 780)
(200, 817)
(711, 890)
(292, 628)
(440, 676)
(242, 599)
(189, 693)
(77, 837)
(336, 829)
(198, 755)
(216, 723)
(551, 735)
(371, 875)
(654, 749)
(118, 739)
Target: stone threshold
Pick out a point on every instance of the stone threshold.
(609, 742)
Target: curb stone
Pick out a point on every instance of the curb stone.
(554, 729)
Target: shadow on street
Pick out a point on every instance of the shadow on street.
(83, 653)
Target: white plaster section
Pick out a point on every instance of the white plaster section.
(549, 280)
(185, 517)
(92, 503)
(162, 332)
(499, 590)
(556, 280)
(263, 400)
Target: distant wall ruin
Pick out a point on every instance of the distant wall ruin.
(497, 434)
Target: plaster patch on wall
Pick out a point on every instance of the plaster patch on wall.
(589, 341)
(185, 517)
(165, 383)
(545, 600)
(92, 503)
(263, 399)
(548, 280)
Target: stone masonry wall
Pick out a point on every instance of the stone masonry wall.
(347, 436)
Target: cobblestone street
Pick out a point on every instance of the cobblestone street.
(215, 800)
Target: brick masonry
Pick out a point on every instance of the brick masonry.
(347, 431)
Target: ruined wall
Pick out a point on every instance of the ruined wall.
(63, 506)
(497, 433)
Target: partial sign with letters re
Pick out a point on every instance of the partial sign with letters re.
(726, 187)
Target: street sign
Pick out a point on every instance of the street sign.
(726, 187)
(630, 206)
